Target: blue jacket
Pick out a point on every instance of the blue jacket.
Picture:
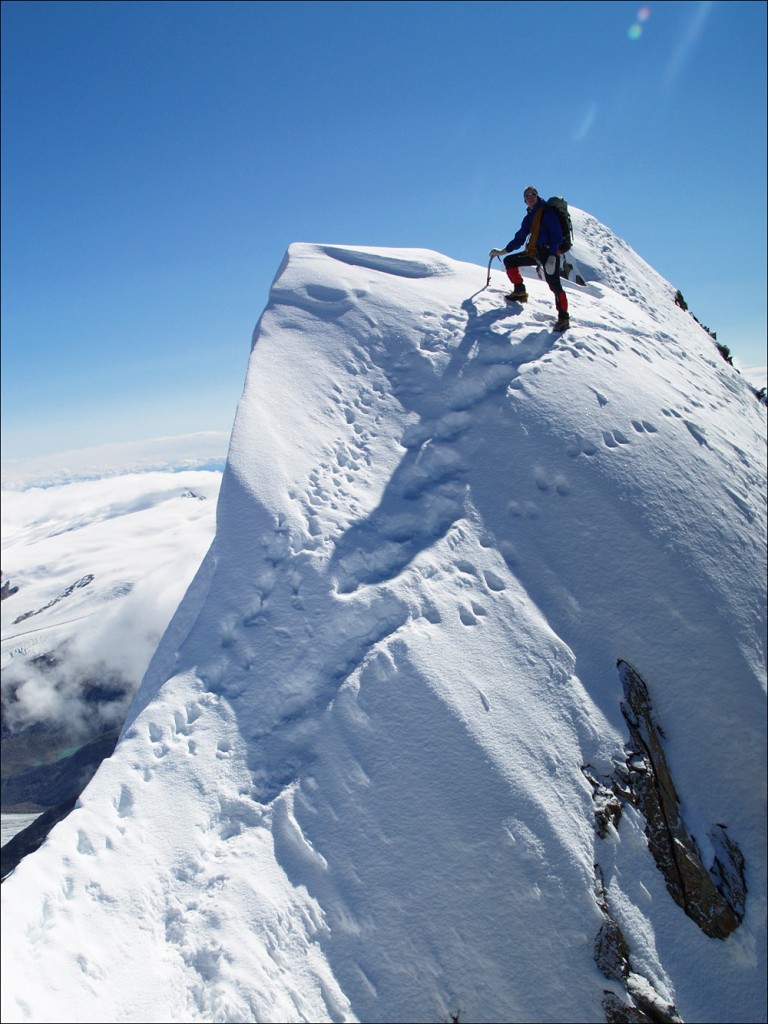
(550, 232)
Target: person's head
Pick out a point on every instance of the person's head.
(531, 196)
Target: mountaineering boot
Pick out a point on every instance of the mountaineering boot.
(518, 294)
(562, 323)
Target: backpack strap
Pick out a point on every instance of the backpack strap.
(535, 228)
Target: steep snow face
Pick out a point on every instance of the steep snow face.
(350, 786)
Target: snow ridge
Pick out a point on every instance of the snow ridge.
(351, 781)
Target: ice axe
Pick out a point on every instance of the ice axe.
(490, 261)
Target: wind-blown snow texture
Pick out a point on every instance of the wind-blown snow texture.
(350, 786)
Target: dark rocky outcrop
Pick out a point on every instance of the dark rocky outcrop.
(607, 800)
(715, 901)
(639, 1000)
(77, 585)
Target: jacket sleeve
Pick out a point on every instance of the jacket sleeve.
(554, 233)
(522, 234)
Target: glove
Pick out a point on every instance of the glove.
(497, 252)
(549, 266)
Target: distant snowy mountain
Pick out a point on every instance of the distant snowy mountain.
(92, 573)
(463, 715)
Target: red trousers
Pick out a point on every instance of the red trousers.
(513, 262)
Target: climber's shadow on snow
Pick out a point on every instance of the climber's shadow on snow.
(515, 346)
(487, 360)
(479, 331)
(424, 497)
(427, 492)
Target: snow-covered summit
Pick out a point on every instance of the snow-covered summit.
(355, 781)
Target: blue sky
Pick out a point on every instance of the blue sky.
(158, 159)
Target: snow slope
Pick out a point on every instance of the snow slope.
(350, 786)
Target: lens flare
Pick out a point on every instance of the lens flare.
(637, 29)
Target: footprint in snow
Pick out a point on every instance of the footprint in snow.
(614, 438)
(562, 487)
(466, 567)
(471, 616)
(494, 582)
(558, 482)
(697, 432)
(124, 803)
(581, 446)
(84, 845)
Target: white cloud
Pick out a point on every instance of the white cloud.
(188, 451)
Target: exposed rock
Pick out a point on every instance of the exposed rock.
(617, 1012)
(612, 951)
(6, 590)
(642, 1002)
(649, 1002)
(82, 582)
(715, 902)
(607, 801)
(714, 899)
(728, 870)
(643, 1006)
